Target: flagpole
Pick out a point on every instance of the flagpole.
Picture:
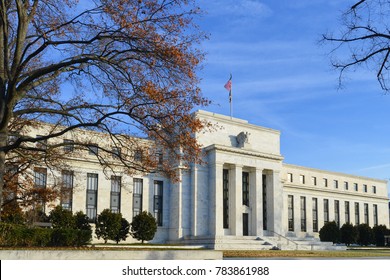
(231, 104)
(229, 87)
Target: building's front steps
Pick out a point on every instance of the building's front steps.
(230, 242)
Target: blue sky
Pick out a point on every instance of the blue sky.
(282, 79)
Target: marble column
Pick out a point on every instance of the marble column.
(275, 202)
(235, 189)
(216, 198)
(194, 200)
(256, 203)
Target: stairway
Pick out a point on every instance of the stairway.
(230, 242)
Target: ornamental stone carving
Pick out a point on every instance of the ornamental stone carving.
(242, 139)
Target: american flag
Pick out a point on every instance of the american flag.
(228, 87)
(228, 84)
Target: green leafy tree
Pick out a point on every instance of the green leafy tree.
(108, 225)
(123, 232)
(379, 233)
(330, 232)
(143, 226)
(348, 234)
(365, 236)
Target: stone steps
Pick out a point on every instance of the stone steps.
(230, 242)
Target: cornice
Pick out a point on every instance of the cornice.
(333, 191)
(243, 152)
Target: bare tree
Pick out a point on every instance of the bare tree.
(119, 67)
(364, 40)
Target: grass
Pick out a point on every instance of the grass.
(355, 253)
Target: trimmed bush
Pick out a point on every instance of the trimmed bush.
(123, 232)
(111, 226)
(365, 236)
(82, 221)
(14, 235)
(330, 232)
(143, 226)
(61, 218)
(379, 233)
(348, 234)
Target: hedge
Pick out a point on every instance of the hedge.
(13, 235)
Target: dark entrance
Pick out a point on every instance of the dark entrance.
(245, 221)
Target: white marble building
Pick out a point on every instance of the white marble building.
(243, 197)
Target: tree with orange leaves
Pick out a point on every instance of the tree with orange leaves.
(119, 67)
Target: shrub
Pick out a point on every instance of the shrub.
(83, 227)
(143, 226)
(61, 218)
(379, 233)
(348, 234)
(364, 234)
(108, 225)
(123, 231)
(82, 221)
(330, 232)
(22, 235)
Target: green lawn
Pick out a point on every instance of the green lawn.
(355, 253)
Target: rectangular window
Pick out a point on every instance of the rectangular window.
(40, 181)
(366, 219)
(356, 187)
(160, 158)
(68, 145)
(290, 202)
(375, 214)
(138, 155)
(158, 202)
(326, 210)
(115, 195)
(373, 189)
(314, 181)
(290, 177)
(335, 184)
(67, 189)
(137, 196)
(245, 188)
(365, 188)
(337, 212)
(225, 198)
(315, 214)
(325, 182)
(92, 188)
(93, 149)
(346, 186)
(116, 152)
(357, 215)
(302, 179)
(347, 215)
(40, 177)
(303, 213)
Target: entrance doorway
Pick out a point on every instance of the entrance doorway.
(245, 222)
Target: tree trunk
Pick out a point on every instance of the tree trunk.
(3, 143)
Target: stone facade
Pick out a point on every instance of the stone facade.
(244, 196)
